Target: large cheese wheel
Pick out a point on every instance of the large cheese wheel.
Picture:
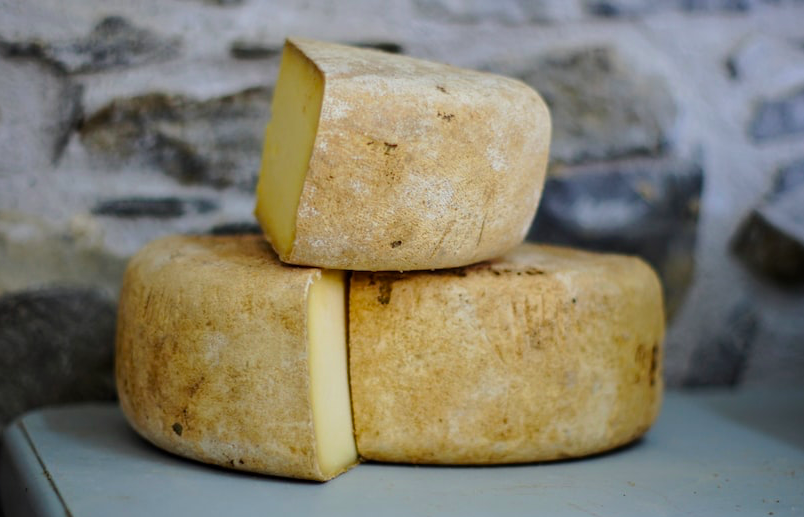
(543, 354)
(227, 356)
(380, 162)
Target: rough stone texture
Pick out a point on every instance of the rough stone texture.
(57, 346)
(255, 49)
(643, 207)
(39, 107)
(386, 46)
(34, 253)
(216, 142)
(222, 3)
(600, 108)
(777, 62)
(779, 117)
(114, 42)
(159, 207)
(508, 12)
(240, 228)
(725, 360)
(771, 240)
(252, 49)
(789, 177)
(636, 8)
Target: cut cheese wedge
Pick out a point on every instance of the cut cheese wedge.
(543, 354)
(227, 356)
(375, 161)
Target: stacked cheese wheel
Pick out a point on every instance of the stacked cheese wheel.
(392, 314)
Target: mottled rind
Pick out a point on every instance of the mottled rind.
(212, 354)
(543, 354)
(417, 165)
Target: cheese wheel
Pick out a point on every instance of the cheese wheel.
(227, 356)
(543, 354)
(379, 162)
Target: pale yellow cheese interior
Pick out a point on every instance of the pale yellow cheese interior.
(289, 139)
(329, 373)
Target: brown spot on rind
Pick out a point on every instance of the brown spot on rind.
(446, 116)
(389, 147)
(386, 286)
(194, 389)
(639, 354)
(396, 244)
(654, 364)
(441, 88)
(177, 428)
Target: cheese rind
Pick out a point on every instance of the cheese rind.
(216, 342)
(414, 165)
(543, 354)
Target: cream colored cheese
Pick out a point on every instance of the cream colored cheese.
(227, 356)
(289, 140)
(379, 162)
(543, 354)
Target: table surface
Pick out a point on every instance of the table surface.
(716, 453)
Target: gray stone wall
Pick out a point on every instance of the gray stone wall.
(678, 135)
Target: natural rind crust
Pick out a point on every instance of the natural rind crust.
(212, 359)
(546, 353)
(417, 165)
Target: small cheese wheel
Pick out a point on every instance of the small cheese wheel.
(546, 353)
(227, 356)
(377, 162)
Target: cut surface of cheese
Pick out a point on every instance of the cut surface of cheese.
(543, 354)
(227, 356)
(329, 386)
(289, 138)
(381, 162)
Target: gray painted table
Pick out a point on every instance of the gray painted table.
(715, 453)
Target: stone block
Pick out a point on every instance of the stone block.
(640, 207)
(57, 347)
(601, 108)
(779, 117)
(160, 208)
(215, 142)
(771, 240)
(39, 108)
(114, 42)
(722, 355)
(507, 12)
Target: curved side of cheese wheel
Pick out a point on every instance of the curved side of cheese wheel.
(414, 165)
(217, 357)
(546, 353)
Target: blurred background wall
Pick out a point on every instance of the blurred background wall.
(678, 135)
